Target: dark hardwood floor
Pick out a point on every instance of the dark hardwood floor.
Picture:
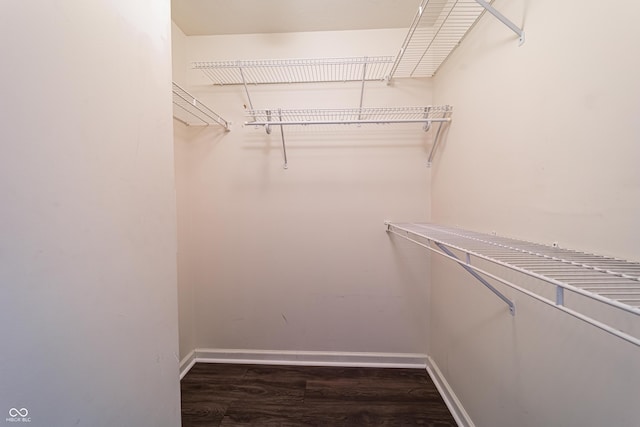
(261, 395)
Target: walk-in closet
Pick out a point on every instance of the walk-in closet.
(426, 209)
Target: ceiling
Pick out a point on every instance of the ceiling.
(211, 17)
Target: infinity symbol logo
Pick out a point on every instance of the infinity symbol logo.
(23, 412)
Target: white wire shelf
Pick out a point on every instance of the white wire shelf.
(427, 115)
(384, 115)
(278, 71)
(436, 30)
(610, 281)
(192, 112)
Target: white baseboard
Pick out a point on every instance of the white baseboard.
(303, 358)
(449, 397)
(187, 363)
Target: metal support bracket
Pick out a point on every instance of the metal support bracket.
(364, 75)
(246, 89)
(512, 307)
(559, 295)
(434, 145)
(427, 125)
(284, 146)
(506, 21)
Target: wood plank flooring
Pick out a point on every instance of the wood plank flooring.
(260, 395)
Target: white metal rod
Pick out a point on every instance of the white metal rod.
(583, 283)
(181, 121)
(193, 108)
(345, 122)
(629, 338)
(193, 105)
(191, 114)
(194, 111)
(621, 292)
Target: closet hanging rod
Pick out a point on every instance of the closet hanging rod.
(346, 122)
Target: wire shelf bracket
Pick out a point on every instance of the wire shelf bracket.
(438, 27)
(506, 21)
(609, 281)
(191, 112)
(353, 116)
(471, 271)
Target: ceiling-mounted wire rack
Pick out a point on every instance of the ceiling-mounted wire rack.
(609, 281)
(276, 71)
(437, 29)
(440, 114)
(188, 110)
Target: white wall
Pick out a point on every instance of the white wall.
(186, 309)
(543, 147)
(298, 259)
(179, 63)
(545, 140)
(186, 296)
(87, 218)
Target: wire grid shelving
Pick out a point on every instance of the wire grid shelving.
(438, 27)
(382, 115)
(188, 110)
(267, 118)
(609, 281)
(278, 71)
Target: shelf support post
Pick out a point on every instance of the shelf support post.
(364, 75)
(512, 307)
(434, 145)
(284, 146)
(506, 21)
(246, 89)
(559, 295)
